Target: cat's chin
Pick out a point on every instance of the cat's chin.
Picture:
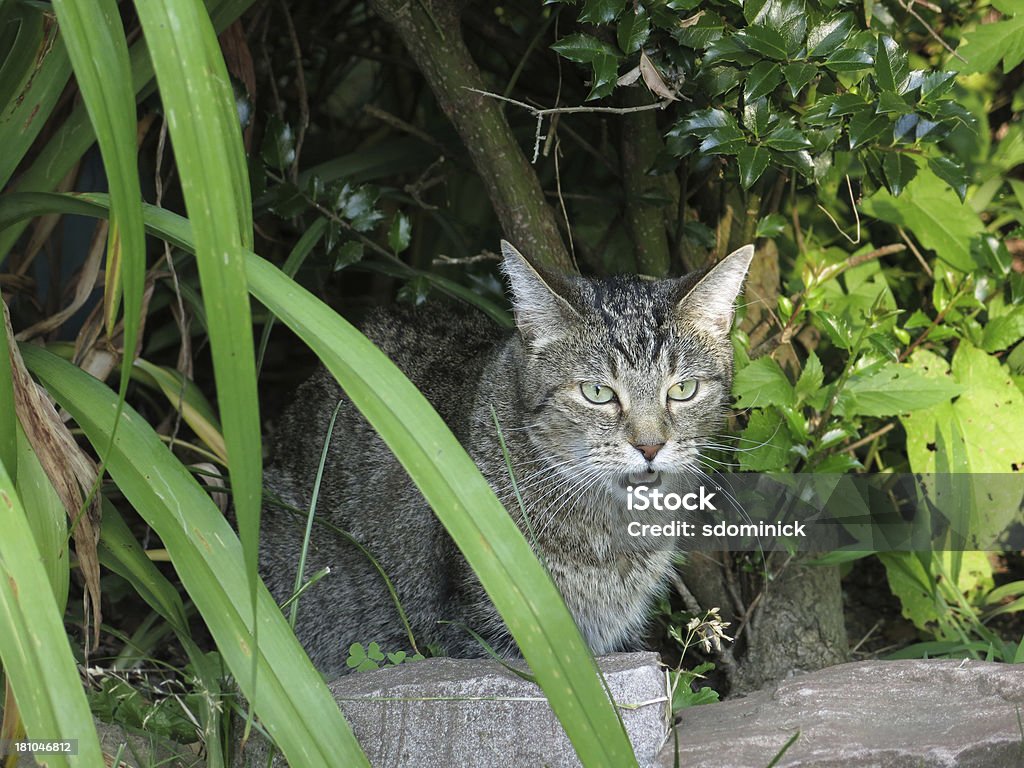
(642, 478)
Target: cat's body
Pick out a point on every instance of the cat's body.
(571, 451)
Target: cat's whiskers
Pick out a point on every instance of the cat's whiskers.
(595, 475)
(585, 473)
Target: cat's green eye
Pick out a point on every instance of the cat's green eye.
(683, 390)
(597, 393)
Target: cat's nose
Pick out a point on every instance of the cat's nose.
(649, 450)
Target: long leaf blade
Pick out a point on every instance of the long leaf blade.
(448, 478)
(201, 113)
(34, 647)
(292, 699)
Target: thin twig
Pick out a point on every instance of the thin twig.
(561, 203)
(540, 114)
(856, 215)
(446, 261)
(401, 125)
(917, 253)
(909, 8)
(873, 436)
(885, 250)
(864, 639)
(573, 110)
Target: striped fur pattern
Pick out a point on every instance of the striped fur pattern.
(572, 457)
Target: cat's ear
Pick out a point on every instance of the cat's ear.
(540, 310)
(711, 301)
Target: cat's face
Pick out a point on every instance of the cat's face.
(625, 377)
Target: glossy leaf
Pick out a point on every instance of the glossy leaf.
(765, 41)
(951, 172)
(824, 38)
(866, 125)
(786, 138)
(891, 69)
(899, 170)
(762, 80)
(633, 30)
(600, 11)
(752, 161)
(798, 74)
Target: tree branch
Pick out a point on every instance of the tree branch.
(430, 31)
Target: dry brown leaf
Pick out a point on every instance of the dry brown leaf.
(71, 472)
(652, 79)
(691, 21)
(630, 77)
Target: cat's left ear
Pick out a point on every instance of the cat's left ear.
(711, 302)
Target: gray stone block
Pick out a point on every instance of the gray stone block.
(883, 714)
(448, 713)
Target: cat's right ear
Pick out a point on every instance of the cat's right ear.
(539, 310)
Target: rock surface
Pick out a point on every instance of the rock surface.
(884, 714)
(446, 713)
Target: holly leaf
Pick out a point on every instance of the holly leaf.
(852, 55)
(600, 11)
(798, 74)
(952, 173)
(786, 138)
(582, 49)
(762, 79)
(891, 68)
(899, 170)
(400, 233)
(752, 161)
(825, 37)
(763, 40)
(702, 34)
(703, 122)
(864, 126)
(633, 31)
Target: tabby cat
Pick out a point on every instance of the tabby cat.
(602, 383)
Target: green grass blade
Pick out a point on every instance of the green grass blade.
(34, 647)
(203, 120)
(499, 554)
(69, 142)
(31, 80)
(292, 699)
(121, 553)
(47, 518)
(99, 54)
(448, 478)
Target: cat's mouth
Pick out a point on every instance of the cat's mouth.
(646, 477)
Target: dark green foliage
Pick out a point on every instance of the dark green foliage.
(784, 70)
